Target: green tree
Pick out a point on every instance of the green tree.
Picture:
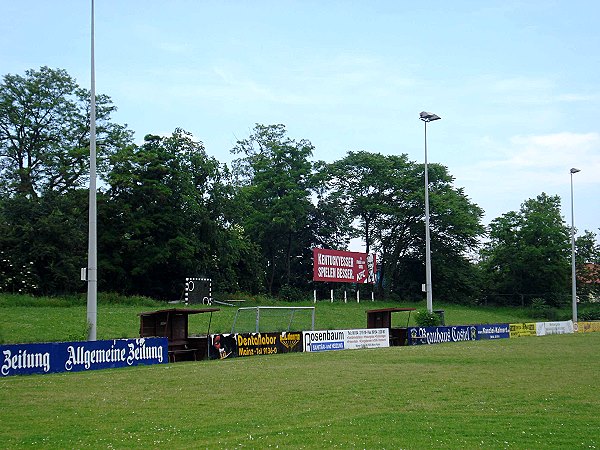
(527, 255)
(386, 195)
(45, 241)
(274, 178)
(44, 132)
(587, 259)
(156, 210)
(169, 215)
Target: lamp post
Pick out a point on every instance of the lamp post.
(573, 273)
(427, 117)
(92, 269)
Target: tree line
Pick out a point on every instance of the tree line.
(167, 210)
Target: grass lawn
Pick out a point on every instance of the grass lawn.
(512, 393)
(46, 320)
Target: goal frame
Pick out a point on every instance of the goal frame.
(259, 308)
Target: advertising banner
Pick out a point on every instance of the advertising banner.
(438, 335)
(26, 359)
(545, 328)
(588, 327)
(522, 329)
(326, 340)
(343, 267)
(493, 331)
(252, 344)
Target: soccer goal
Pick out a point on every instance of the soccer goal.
(257, 319)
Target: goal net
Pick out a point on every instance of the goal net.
(263, 319)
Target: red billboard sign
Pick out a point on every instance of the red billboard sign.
(343, 267)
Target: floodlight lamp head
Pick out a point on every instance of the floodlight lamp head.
(428, 117)
(574, 170)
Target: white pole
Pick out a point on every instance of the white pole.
(92, 270)
(427, 117)
(427, 237)
(332, 296)
(315, 296)
(357, 296)
(573, 273)
(345, 296)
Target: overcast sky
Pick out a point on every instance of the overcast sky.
(515, 82)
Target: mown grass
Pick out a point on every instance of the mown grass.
(32, 319)
(512, 393)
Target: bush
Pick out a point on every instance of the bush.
(589, 313)
(113, 298)
(541, 310)
(424, 318)
(291, 294)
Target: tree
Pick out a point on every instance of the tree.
(386, 195)
(587, 258)
(359, 181)
(274, 179)
(44, 239)
(155, 214)
(44, 132)
(528, 254)
(168, 216)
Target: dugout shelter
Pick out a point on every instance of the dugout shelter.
(382, 318)
(174, 325)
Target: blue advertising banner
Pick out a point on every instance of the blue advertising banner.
(493, 331)
(437, 335)
(26, 359)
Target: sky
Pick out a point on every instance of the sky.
(516, 83)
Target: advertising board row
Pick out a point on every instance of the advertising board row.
(436, 335)
(541, 328)
(250, 344)
(26, 359)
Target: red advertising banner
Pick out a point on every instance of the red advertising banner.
(343, 267)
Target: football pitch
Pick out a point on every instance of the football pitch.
(512, 393)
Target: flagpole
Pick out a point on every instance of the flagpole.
(92, 269)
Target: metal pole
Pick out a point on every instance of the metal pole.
(427, 238)
(92, 270)
(573, 272)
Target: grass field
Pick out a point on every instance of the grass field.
(513, 393)
(26, 319)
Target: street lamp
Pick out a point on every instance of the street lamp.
(427, 117)
(573, 274)
(92, 268)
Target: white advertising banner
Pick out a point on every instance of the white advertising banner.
(325, 340)
(545, 328)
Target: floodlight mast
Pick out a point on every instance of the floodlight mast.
(573, 272)
(92, 269)
(427, 117)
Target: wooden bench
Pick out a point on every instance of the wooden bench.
(179, 349)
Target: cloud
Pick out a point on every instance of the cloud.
(525, 166)
(552, 151)
(537, 156)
